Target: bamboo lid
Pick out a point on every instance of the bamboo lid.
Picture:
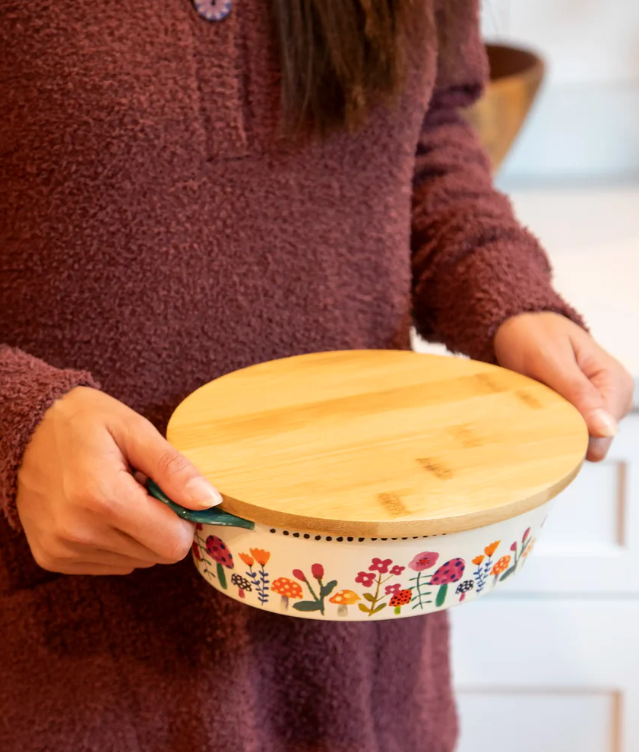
(380, 443)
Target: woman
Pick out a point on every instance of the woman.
(188, 190)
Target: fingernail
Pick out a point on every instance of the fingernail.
(202, 493)
(604, 425)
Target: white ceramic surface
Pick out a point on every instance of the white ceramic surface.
(314, 576)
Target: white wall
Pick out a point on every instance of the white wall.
(585, 126)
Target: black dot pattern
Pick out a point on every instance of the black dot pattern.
(341, 538)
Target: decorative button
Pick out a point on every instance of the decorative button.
(213, 10)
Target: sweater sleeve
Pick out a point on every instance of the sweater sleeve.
(28, 387)
(474, 265)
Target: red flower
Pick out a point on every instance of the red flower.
(318, 571)
(196, 550)
(365, 578)
(299, 574)
(397, 569)
(198, 526)
(514, 546)
(380, 565)
(393, 588)
(424, 561)
(526, 534)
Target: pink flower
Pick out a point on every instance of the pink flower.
(317, 571)
(380, 565)
(393, 589)
(397, 570)
(299, 574)
(513, 547)
(423, 561)
(365, 578)
(526, 534)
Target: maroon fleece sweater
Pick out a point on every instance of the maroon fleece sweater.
(157, 232)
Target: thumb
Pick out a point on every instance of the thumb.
(148, 451)
(572, 384)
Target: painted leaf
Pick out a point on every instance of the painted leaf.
(221, 576)
(378, 609)
(307, 606)
(363, 608)
(507, 574)
(368, 597)
(441, 595)
(328, 588)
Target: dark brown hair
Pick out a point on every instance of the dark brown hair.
(339, 58)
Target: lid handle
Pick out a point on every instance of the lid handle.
(212, 516)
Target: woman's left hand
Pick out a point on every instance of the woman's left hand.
(552, 349)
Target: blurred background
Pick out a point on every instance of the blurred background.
(584, 128)
(552, 664)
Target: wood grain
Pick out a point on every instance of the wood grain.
(380, 443)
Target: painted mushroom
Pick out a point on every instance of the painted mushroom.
(287, 589)
(463, 588)
(242, 584)
(401, 598)
(501, 566)
(222, 556)
(344, 599)
(450, 572)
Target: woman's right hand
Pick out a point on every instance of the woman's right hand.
(82, 510)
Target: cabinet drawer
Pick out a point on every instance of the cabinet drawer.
(546, 674)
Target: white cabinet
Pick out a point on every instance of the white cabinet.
(547, 675)
(569, 721)
(550, 663)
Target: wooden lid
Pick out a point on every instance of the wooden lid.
(380, 443)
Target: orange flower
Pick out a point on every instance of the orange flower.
(261, 556)
(529, 547)
(502, 565)
(247, 560)
(490, 550)
(478, 560)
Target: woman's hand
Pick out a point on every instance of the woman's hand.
(552, 349)
(82, 510)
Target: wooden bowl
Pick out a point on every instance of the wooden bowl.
(515, 78)
(373, 484)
